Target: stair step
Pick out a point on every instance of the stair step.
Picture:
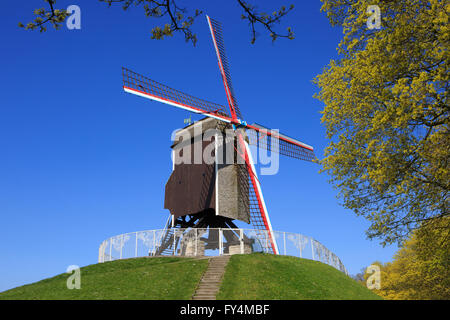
(217, 279)
(209, 284)
(216, 269)
(213, 274)
(207, 291)
(211, 290)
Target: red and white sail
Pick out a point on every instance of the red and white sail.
(216, 34)
(140, 85)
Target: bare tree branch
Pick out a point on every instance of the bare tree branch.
(179, 19)
(267, 21)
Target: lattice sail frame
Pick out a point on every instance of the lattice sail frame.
(270, 140)
(259, 136)
(259, 216)
(216, 34)
(140, 85)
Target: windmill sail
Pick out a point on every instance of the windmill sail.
(216, 33)
(270, 140)
(259, 216)
(145, 87)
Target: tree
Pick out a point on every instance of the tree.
(387, 114)
(421, 268)
(178, 18)
(359, 277)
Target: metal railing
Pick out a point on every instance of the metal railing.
(213, 242)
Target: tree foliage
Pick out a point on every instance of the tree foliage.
(52, 16)
(387, 113)
(421, 268)
(179, 19)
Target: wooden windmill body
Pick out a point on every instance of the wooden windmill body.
(206, 190)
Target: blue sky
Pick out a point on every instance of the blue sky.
(82, 161)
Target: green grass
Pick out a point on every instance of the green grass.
(141, 278)
(255, 276)
(263, 276)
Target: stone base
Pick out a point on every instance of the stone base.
(194, 248)
(236, 249)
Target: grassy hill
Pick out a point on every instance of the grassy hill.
(255, 276)
(141, 278)
(265, 276)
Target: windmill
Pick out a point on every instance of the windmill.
(239, 178)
